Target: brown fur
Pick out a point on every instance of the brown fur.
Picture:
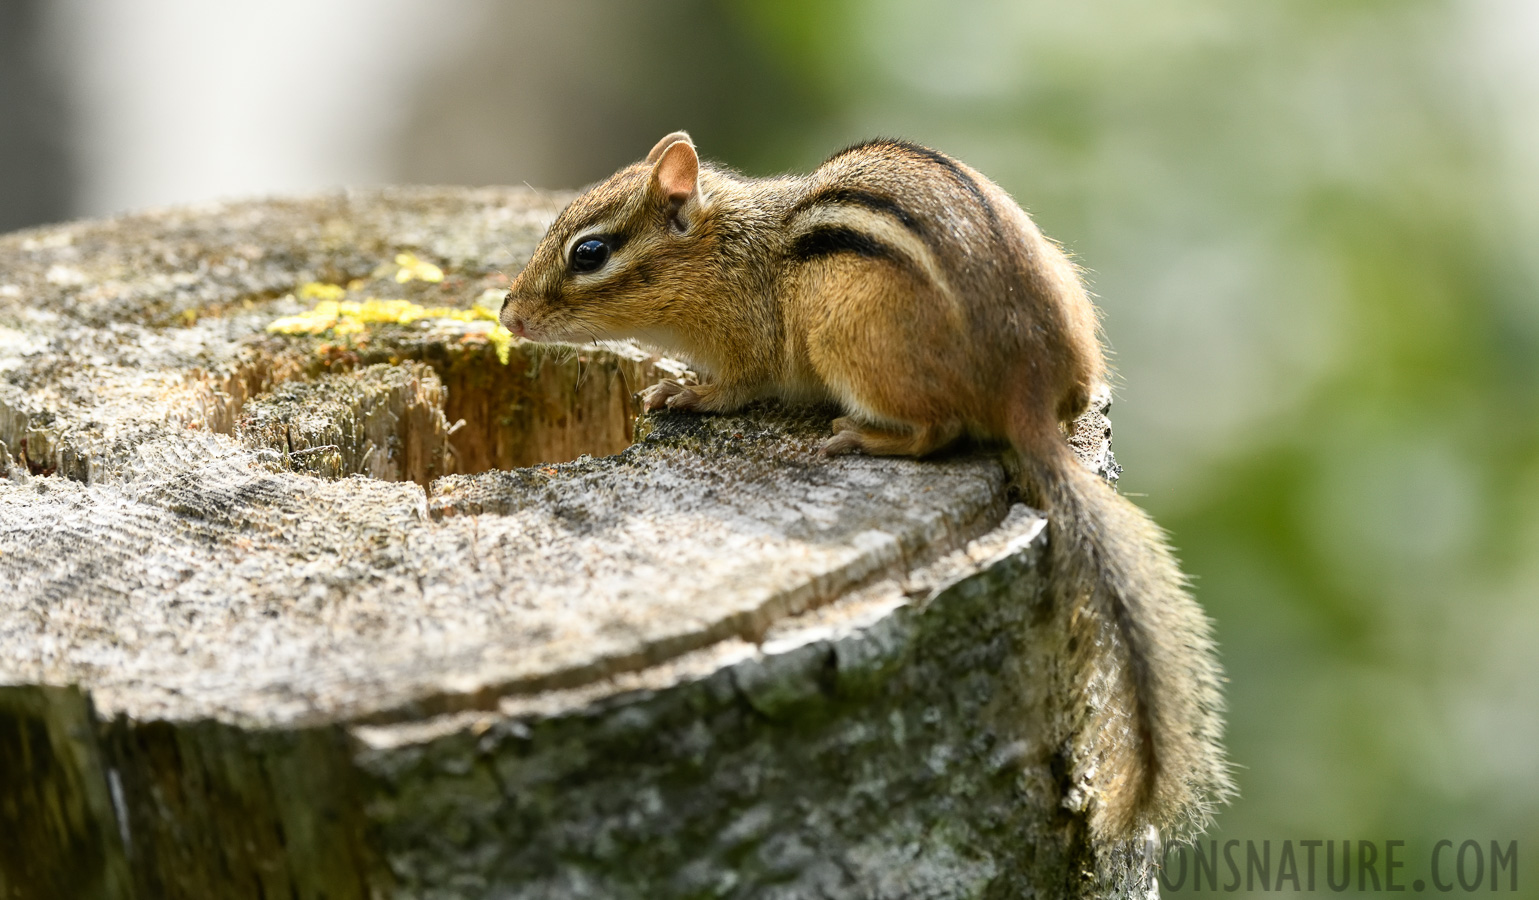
(915, 293)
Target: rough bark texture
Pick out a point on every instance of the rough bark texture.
(282, 616)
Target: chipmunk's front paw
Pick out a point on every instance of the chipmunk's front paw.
(661, 394)
(688, 400)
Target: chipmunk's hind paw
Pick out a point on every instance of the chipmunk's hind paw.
(850, 435)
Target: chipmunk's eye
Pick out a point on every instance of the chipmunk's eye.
(590, 255)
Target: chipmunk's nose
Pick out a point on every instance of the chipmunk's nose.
(509, 321)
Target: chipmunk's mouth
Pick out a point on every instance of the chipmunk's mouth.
(539, 332)
(543, 334)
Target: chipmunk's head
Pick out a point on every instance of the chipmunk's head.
(619, 260)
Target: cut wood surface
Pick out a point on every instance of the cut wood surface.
(371, 599)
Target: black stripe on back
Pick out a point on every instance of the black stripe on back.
(939, 159)
(831, 239)
(857, 197)
(958, 173)
(862, 145)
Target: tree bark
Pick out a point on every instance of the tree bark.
(394, 605)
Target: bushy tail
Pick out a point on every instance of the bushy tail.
(1147, 708)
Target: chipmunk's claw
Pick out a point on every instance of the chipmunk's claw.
(661, 395)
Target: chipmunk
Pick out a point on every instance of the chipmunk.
(915, 294)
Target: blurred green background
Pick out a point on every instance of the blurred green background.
(1313, 227)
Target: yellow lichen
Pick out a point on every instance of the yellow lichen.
(347, 317)
(502, 341)
(316, 290)
(487, 306)
(414, 269)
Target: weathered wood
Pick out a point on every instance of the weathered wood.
(259, 639)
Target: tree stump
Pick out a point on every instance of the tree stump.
(314, 583)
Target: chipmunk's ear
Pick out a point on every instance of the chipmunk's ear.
(665, 143)
(676, 179)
